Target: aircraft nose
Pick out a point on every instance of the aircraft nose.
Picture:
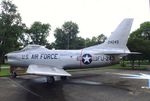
(6, 58)
(9, 57)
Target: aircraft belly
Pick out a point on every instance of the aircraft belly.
(46, 62)
(57, 62)
(20, 63)
(70, 63)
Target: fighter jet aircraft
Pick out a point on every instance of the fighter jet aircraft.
(42, 61)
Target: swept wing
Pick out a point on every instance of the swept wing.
(46, 70)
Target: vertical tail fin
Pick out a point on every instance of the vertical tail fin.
(118, 38)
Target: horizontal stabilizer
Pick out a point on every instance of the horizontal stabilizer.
(46, 70)
(111, 53)
(136, 53)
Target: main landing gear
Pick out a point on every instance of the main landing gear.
(63, 78)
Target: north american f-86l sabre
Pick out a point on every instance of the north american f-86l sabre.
(42, 61)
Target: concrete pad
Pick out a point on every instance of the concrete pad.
(93, 85)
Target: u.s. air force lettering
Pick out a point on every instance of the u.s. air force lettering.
(49, 56)
(40, 56)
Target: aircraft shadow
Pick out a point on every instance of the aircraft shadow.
(38, 90)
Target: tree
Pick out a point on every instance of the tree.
(61, 39)
(95, 40)
(79, 43)
(66, 36)
(101, 38)
(139, 40)
(50, 45)
(11, 27)
(38, 33)
(25, 38)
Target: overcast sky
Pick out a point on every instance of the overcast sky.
(92, 16)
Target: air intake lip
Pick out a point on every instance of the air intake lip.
(6, 58)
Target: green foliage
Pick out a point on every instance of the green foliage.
(38, 33)
(11, 28)
(139, 40)
(118, 66)
(66, 36)
(71, 29)
(61, 39)
(79, 43)
(95, 40)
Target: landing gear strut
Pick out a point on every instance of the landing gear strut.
(64, 78)
(13, 71)
(14, 74)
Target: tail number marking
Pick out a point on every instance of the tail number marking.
(106, 58)
(113, 41)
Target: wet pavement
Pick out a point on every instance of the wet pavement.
(87, 85)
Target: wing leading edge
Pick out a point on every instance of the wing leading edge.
(46, 70)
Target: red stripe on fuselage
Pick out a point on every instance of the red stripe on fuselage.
(81, 58)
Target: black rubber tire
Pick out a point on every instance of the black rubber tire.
(50, 79)
(14, 74)
(64, 78)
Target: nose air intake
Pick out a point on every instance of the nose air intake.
(6, 58)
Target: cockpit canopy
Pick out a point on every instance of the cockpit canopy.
(33, 47)
(30, 48)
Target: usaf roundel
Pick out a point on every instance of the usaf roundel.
(86, 59)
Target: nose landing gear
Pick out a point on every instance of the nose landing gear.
(13, 72)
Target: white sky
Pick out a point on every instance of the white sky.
(92, 16)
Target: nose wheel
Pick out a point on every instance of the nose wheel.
(14, 74)
(13, 71)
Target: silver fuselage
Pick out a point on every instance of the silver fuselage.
(60, 58)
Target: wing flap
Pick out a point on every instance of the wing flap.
(46, 70)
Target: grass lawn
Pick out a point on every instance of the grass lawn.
(117, 66)
(4, 72)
